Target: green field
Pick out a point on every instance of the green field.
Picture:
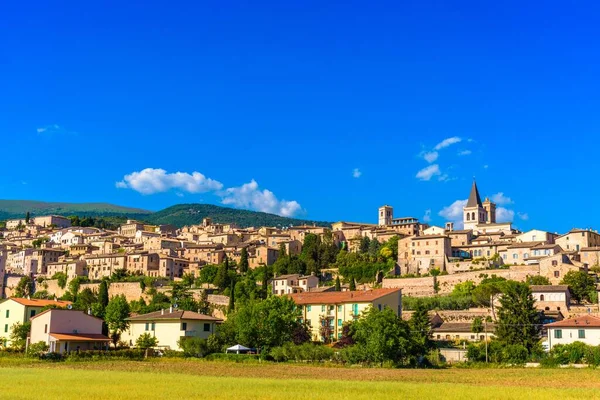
(183, 379)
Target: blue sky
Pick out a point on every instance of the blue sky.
(312, 109)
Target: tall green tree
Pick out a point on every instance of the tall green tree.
(231, 306)
(24, 287)
(381, 336)
(420, 327)
(263, 324)
(374, 247)
(518, 320)
(581, 285)
(222, 278)
(352, 284)
(117, 312)
(27, 217)
(365, 242)
(244, 265)
(477, 325)
(338, 284)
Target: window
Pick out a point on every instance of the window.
(308, 308)
(541, 297)
(515, 256)
(339, 322)
(556, 274)
(31, 313)
(339, 308)
(581, 334)
(147, 326)
(322, 308)
(554, 263)
(355, 309)
(6, 328)
(7, 313)
(184, 326)
(206, 327)
(153, 326)
(379, 307)
(558, 334)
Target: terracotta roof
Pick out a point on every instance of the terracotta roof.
(579, 322)
(40, 302)
(549, 288)
(524, 245)
(80, 337)
(177, 315)
(464, 327)
(358, 296)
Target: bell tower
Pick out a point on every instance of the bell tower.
(386, 214)
(474, 213)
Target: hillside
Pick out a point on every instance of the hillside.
(188, 214)
(178, 215)
(18, 208)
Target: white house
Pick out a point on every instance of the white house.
(551, 297)
(584, 329)
(294, 283)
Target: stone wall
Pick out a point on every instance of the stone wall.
(422, 287)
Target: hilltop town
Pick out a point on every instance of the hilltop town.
(333, 273)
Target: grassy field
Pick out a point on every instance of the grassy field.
(191, 379)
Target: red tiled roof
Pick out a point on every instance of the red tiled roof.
(586, 321)
(40, 302)
(177, 314)
(358, 296)
(80, 337)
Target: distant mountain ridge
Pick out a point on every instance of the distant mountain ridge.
(178, 215)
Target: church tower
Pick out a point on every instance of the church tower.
(474, 213)
(386, 214)
(490, 211)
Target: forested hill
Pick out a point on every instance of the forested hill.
(188, 214)
(178, 215)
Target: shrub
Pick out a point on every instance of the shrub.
(592, 355)
(572, 353)
(124, 354)
(303, 352)
(146, 341)
(194, 347)
(515, 354)
(37, 350)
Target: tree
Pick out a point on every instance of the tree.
(61, 279)
(365, 242)
(24, 287)
(103, 293)
(231, 305)
(338, 284)
(146, 341)
(263, 324)
(518, 320)
(117, 312)
(374, 246)
(326, 329)
(420, 327)
(463, 289)
(18, 335)
(581, 285)
(244, 265)
(381, 336)
(27, 216)
(352, 284)
(222, 278)
(537, 280)
(477, 325)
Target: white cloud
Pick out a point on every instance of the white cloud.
(485, 166)
(454, 213)
(428, 172)
(523, 216)
(156, 180)
(54, 129)
(464, 153)
(356, 173)
(430, 156)
(500, 199)
(504, 215)
(447, 142)
(427, 216)
(250, 196)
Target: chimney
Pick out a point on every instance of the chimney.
(171, 309)
(162, 311)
